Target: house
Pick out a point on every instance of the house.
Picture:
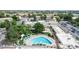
(48, 17)
(38, 18)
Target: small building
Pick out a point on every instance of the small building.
(38, 18)
(31, 19)
(48, 17)
(22, 20)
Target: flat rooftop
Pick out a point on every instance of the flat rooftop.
(65, 38)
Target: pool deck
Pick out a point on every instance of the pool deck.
(28, 41)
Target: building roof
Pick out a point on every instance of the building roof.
(63, 37)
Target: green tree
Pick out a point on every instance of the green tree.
(2, 15)
(34, 16)
(45, 17)
(58, 19)
(60, 15)
(2, 25)
(68, 17)
(11, 35)
(77, 20)
(14, 22)
(7, 15)
(38, 27)
(41, 17)
(7, 24)
(21, 42)
(24, 29)
(14, 31)
(15, 18)
(29, 15)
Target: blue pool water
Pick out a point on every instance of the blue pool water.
(41, 40)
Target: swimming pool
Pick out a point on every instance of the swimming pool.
(41, 40)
